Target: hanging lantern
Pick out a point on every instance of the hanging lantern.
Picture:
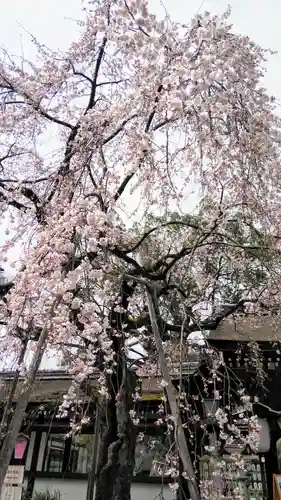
(20, 447)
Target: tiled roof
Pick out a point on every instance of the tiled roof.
(249, 328)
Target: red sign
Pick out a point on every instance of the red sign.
(20, 448)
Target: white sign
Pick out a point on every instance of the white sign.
(14, 475)
(11, 493)
(12, 489)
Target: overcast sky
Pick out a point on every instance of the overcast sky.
(47, 20)
(52, 22)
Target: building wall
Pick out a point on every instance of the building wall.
(73, 489)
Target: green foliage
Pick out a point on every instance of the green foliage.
(227, 252)
(42, 495)
(47, 495)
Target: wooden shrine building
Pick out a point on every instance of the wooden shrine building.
(249, 348)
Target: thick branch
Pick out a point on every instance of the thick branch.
(119, 129)
(172, 395)
(156, 228)
(128, 177)
(35, 105)
(91, 102)
(13, 203)
(27, 193)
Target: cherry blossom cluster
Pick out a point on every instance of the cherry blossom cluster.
(143, 112)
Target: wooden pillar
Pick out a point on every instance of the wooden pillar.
(33, 466)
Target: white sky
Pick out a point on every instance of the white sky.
(51, 22)
(47, 20)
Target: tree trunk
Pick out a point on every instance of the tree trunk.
(13, 430)
(117, 447)
(7, 411)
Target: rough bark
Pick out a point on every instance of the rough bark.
(7, 410)
(117, 447)
(118, 441)
(172, 396)
(13, 430)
